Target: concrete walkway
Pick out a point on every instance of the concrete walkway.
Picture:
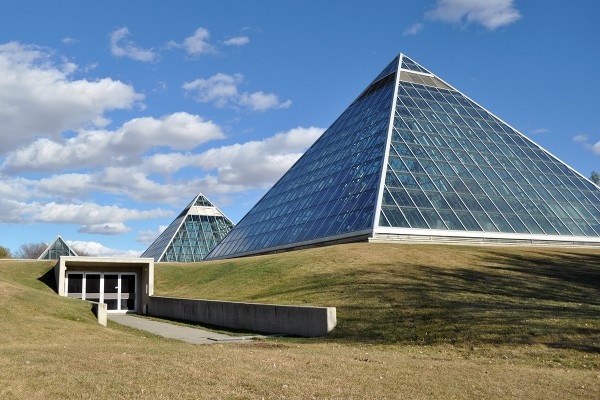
(172, 331)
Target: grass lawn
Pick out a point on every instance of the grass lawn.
(414, 322)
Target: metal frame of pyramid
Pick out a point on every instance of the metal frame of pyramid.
(52, 253)
(414, 159)
(191, 236)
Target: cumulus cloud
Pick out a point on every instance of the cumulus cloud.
(124, 146)
(492, 14)
(258, 163)
(105, 229)
(237, 41)
(228, 170)
(92, 217)
(88, 213)
(38, 97)
(149, 236)
(195, 45)
(99, 250)
(261, 101)
(121, 46)
(222, 90)
(224, 170)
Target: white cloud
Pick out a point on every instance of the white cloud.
(219, 88)
(93, 148)
(227, 169)
(38, 98)
(222, 90)
(133, 182)
(99, 250)
(237, 41)
(92, 217)
(492, 14)
(414, 29)
(149, 236)
(258, 163)
(87, 213)
(260, 101)
(580, 138)
(114, 228)
(14, 188)
(195, 45)
(120, 46)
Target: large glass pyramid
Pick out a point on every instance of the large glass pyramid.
(56, 249)
(191, 236)
(412, 159)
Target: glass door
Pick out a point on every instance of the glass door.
(128, 292)
(117, 289)
(92, 287)
(111, 291)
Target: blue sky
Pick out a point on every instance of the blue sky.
(114, 114)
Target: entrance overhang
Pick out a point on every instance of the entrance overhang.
(143, 268)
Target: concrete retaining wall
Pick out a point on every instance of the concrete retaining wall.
(266, 318)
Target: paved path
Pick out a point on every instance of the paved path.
(172, 331)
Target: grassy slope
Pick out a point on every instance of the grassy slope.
(51, 347)
(419, 293)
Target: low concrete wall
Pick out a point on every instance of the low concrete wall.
(289, 320)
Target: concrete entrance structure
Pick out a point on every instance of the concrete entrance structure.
(124, 284)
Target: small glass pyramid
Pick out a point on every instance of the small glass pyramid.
(414, 159)
(191, 236)
(56, 249)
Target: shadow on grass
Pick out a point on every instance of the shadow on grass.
(49, 280)
(521, 298)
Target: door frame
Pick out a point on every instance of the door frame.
(119, 286)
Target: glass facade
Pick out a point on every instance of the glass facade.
(56, 249)
(454, 166)
(451, 166)
(191, 236)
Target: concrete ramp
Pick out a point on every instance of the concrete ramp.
(178, 332)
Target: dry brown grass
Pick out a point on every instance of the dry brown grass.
(52, 347)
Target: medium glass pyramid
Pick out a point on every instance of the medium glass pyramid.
(191, 236)
(412, 159)
(56, 249)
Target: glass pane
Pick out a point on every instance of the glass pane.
(112, 304)
(128, 283)
(92, 286)
(111, 283)
(75, 285)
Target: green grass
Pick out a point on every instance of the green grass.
(418, 294)
(414, 321)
